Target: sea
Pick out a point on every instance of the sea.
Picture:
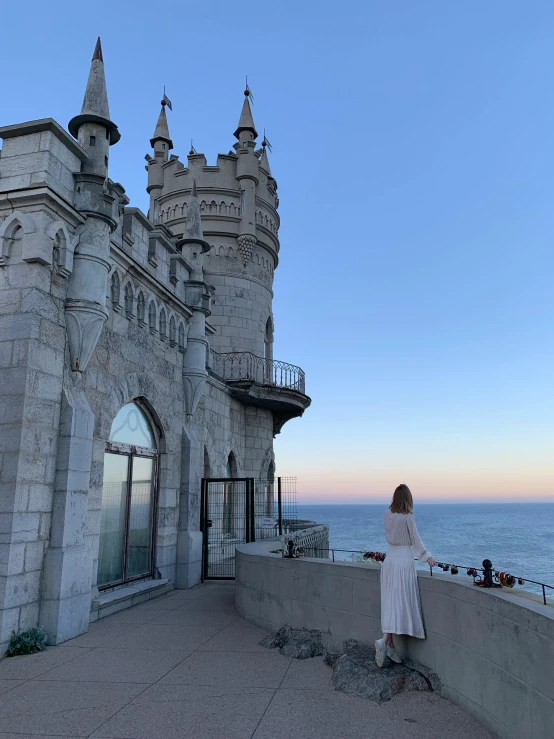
(517, 537)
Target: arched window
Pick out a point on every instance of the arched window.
(181, 338)
(141, 310)
(172, 331)
(268, 350)
(129, 301)
(128, 497)
(152, 318)
(116, 292)
(163, 325)
(229, 493)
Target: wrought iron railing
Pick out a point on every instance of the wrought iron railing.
(491, 576)
(236, 366)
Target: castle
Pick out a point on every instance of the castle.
(136, 360)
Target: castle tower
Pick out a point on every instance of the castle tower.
(238, 205)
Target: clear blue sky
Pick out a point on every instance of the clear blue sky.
(413, 144)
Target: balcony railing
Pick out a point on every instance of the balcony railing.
(237, 366)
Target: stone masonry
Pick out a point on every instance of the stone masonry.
(102, 305)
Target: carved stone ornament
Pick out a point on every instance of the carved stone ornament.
(246, 244)
(84, 322)
(193, 385)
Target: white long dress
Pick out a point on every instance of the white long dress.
(400, 609)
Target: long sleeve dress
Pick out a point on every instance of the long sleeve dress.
(400, 609)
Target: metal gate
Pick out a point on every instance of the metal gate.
(227, 519)
(238, 511)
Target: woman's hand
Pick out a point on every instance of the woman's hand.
(432, 562)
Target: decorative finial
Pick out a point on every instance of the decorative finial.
(248, 92)
(192, 149)
(166, 101)
(265, 142)
(98, 51)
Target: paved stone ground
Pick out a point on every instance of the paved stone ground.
(185, 665)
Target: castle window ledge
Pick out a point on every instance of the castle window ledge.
(125, 596)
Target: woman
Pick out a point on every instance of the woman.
(400, 612)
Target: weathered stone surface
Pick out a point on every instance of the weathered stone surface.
(297, 643)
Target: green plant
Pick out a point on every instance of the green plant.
(28, 642)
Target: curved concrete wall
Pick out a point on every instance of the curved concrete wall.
(493, 650)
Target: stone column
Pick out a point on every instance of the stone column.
(66, 592)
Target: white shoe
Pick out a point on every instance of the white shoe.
(393, 654)
(380, 652)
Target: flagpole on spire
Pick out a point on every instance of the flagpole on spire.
(166, 101)
(248, 92)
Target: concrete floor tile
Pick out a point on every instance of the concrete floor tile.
(6, 685)
(221, 601)
(320, 714)
(154, 636)
(99, 633)
(130, 617)
(189, 712)
(432, 717)
(311, 674)
(35, 736)
(228, 669)
(118, 665)
(30, 666)
(42, 708)
(185, 617)
(241, 638)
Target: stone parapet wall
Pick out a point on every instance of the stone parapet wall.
(493, 650)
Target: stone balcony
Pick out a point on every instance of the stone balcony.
(266, 383)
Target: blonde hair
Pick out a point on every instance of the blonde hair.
(402, 501)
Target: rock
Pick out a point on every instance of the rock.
(356, 673)
(354, 668)
(297, 643)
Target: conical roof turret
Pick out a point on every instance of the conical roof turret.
(95, 107)
(162, 130)
(264, 161)
(193, 233)
(246, 121)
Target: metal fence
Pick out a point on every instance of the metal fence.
(237, 366)
(236, 511)
(490, 576)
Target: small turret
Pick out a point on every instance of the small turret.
(192, 242)
(247, 175)
(93, 127)
(161, 141)
(246, 125)
(198, 299)
(162, 144)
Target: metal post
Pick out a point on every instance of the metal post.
(280, 506)
(247, 512)
(252, 511)
(544, 594)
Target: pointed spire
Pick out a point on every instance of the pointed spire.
(162, 130)
(95, 107)
(246, 121)
(264, 161)
(193, 233)
(98, 51)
